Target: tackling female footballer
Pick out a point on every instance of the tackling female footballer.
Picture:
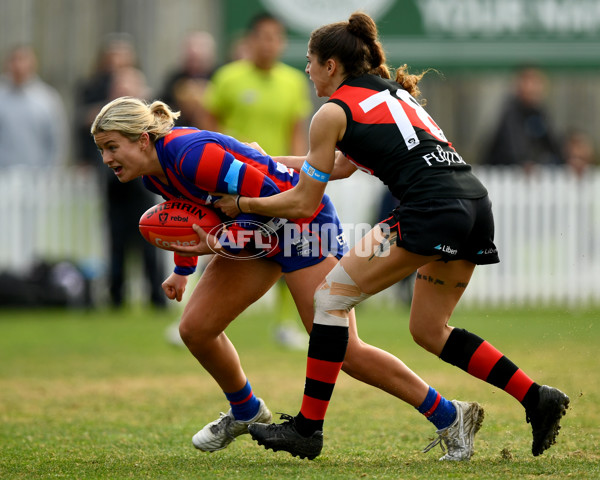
(442, 229)
(137, 139)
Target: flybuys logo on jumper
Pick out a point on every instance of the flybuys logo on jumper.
(446, 249)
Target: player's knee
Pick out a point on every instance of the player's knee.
(329, 304)
(338, 294)
(419, 339)
(194, 330)
(426, 336)
(186, 331)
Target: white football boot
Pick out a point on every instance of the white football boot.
(459, 436)
(220, 433)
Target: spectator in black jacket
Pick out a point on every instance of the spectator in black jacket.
(523, 135)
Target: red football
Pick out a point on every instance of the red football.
(170, 223)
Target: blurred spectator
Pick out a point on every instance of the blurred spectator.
(257, 98)
(117, 51)
(33, 125)
(116, 76)
(125, 204)
(523, 135)
(185, 87)
(238, 49)
(579, 152)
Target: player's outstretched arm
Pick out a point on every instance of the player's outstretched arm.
(292, 162)
(327, 127)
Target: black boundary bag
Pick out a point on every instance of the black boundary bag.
(58, 284)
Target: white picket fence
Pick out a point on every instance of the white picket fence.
(547, 229)
(50, 214)
(547, 233)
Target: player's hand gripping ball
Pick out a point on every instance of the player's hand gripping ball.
(169, 224)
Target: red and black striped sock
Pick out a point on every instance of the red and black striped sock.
(479, 358)
(326, 352)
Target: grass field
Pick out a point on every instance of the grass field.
(101, 395)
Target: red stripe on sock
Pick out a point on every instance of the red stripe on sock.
(518, 385)
(313, 409)
(244, 400)
(429, 412)
(483, 360)
(322, 370)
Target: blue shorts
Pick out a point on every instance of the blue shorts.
(303, 244)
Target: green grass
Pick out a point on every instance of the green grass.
(101, 395)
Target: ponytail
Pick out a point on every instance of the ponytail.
(131, 117)
(410, 81)
(355, 44)
(363, 27)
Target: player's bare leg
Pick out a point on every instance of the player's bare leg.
(227, 287)
(363, 362)
(373, 265)
(438, 288)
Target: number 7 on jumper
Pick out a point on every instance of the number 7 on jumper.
(400, 116)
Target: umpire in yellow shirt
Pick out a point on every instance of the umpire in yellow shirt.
(260, 99)
(257, 98)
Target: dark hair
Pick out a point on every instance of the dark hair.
(355, 44)
(260, 18)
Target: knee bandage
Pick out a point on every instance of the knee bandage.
(338, 293)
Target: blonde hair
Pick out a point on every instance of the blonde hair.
(131, 117)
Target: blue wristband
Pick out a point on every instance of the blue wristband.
(184, 270)
(312, 172)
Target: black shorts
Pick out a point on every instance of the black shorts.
(455, 228)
